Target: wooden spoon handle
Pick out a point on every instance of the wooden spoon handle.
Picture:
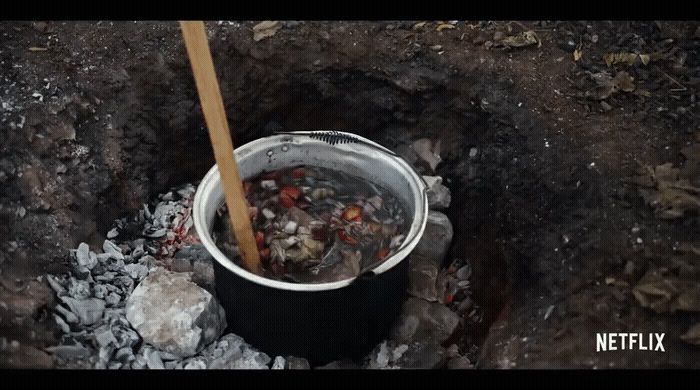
(215, 117)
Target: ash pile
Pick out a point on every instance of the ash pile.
(146, 300)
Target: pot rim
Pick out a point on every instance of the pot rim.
(213, 178)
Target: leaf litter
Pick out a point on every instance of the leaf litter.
(673, 192)
(265, 29)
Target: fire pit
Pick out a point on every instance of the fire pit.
(323, 321)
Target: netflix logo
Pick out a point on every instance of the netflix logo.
(629, 341)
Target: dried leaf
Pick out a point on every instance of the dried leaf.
(626, 58)
(692, 335)
(419, 25)
(577, 54)
(35, 48)
(672, 196)
(526, 38)
(265, 29)
(445, 26)
(667, 293)
(624, 81)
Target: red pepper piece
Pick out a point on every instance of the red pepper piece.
(346, 237)
(289, 195)
(298, 173)
(286, 201)
(265, 255)
(449, 298)
(382, 253)
(293, 192)
(260, 240)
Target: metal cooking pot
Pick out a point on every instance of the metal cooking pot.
(326, 321)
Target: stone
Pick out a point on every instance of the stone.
(464, 273)
(195, 252)
(233, 353)
(344, 364)
(452, 351)
(439, 196)
(68, 352)
(203, 275)
(422, 278)
(252, 360)
(89, 311)
(112, 233)
(279, 363)
(172, 313)
(428, 151)
(136, 271)
(61, 323)
(290, 227)
(381, 358)
(153, 359)
(425, 322)
(269, 185)
(113, 250)
(181, 265)
(297, 363)
(69, 316)
(436, 238)
(422, 356)
(196, 364)
(465, 305)
(268, 214)
(459, 363)
(104, 336)
(84, 258)
(55, 284)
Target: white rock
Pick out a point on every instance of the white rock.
(290, 227)
(173, 314)
(112, 233)
(82, 255)
(268, 214)
(279, 363)
(424, 322)
(268, 185)
(113, 250)
(439, 196)
(153, 359)
(88, 311)
(428, 151)
(136, 271)
(436, 238)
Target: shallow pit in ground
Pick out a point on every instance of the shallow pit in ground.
(482, 150)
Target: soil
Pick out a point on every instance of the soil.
(98, 118)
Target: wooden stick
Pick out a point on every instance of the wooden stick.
(215, 117)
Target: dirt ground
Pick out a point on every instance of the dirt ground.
(558, 198)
